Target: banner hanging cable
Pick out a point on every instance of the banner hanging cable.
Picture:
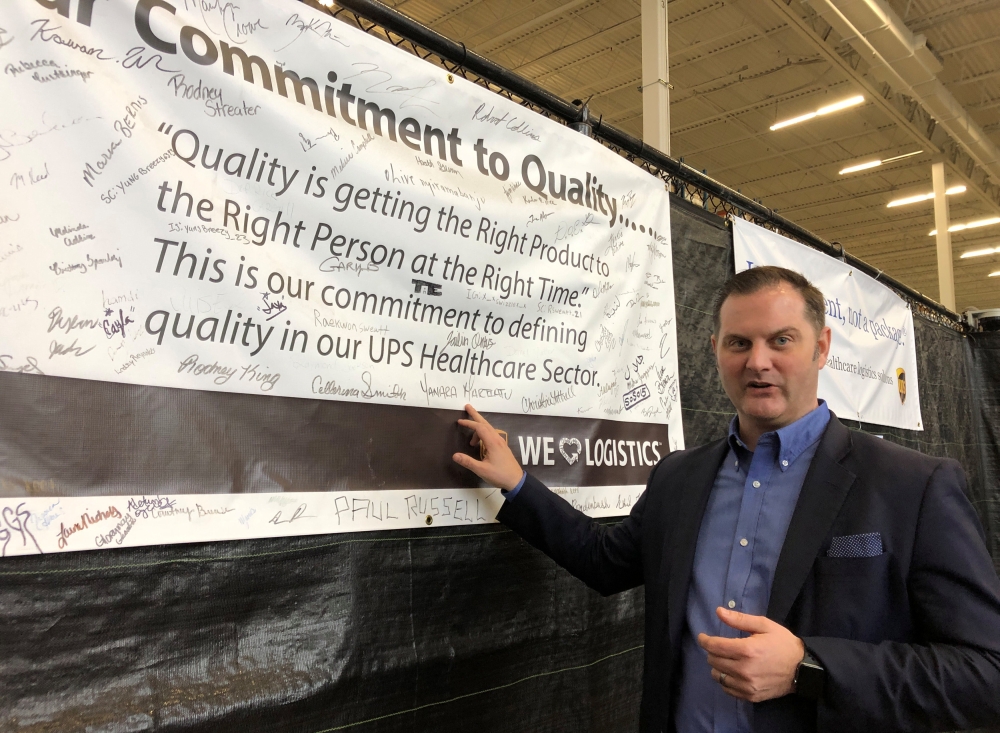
(457, 53)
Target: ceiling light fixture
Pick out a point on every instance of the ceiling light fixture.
(924, 197)
(876, 163)
(995, 274)
(835, 107)
(971, 225)
(980, 252)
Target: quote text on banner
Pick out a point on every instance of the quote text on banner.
(260, 199)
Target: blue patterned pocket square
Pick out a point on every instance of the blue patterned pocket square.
(856, 545)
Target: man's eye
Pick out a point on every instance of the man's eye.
(783, 341)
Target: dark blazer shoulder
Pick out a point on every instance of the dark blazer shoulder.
(883, 462)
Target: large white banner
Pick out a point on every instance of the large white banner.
(871, 375)
(259, 199)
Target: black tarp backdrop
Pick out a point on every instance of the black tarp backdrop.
(423, 630)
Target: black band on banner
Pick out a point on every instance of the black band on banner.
(77, 437)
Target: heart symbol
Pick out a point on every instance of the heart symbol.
(570, 458)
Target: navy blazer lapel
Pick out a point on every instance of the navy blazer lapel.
(823, 493)
(695, 489)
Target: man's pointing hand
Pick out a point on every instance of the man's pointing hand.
(498, 467)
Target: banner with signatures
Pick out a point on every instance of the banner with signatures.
(871, 373)
(205, 198)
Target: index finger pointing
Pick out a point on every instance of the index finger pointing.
(476, 416)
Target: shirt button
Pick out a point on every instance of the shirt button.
(785, 464)
(736, 465)
(743, 542)
(756, 484)
(732, 604)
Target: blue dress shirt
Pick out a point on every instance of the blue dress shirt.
(741, 535)
(509, 495)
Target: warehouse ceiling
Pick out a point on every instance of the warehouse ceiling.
(739, 66)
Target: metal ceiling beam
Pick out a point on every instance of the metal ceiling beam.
(537, 24)
(734, 113)
(722, 49)
(974, 78)
(861, 175)
(596, 37)
(967, 46)
(908, 115)
(532, 26)
(862, 234)
(468, 5)
(674, 67)
(988, 104)
(951, 10)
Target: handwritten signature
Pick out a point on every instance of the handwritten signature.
(14, 139)
(231, 26)
(115, 326)
(299, 513)
(378, 83)
(16, 520)
(396, 392)
(30, 367)
(271, 310)
(321, 28)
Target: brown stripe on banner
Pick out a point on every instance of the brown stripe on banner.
(77, 437)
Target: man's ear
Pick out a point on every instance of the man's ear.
(712, 338)
(822, 350)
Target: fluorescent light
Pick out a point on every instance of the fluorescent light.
(924, 197)
(901, 157)
(980, 252)
(793, 121)
(835, 107)
(861, 167)
(995, 274)
(971, 225)
(877, 163)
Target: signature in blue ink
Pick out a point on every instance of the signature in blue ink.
(144, 506)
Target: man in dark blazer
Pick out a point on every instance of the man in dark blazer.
(799, 576)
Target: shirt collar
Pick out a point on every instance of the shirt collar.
(792, 439)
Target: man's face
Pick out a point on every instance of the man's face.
(769, 356)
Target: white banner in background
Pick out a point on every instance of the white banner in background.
(871, 375)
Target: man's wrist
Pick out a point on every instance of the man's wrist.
(810, 677)
(510, 494)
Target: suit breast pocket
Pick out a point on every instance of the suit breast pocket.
(854, 597)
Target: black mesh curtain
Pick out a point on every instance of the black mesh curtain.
(424, 630)
(982, 351)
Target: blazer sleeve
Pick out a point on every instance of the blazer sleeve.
(950, 678)
(608, 558)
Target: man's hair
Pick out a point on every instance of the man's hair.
(756, 279)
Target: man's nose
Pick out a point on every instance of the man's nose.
(759, 358)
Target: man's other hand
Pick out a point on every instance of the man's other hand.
(498, 467)
(759, 667)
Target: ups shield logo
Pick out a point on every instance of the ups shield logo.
(901, 384)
